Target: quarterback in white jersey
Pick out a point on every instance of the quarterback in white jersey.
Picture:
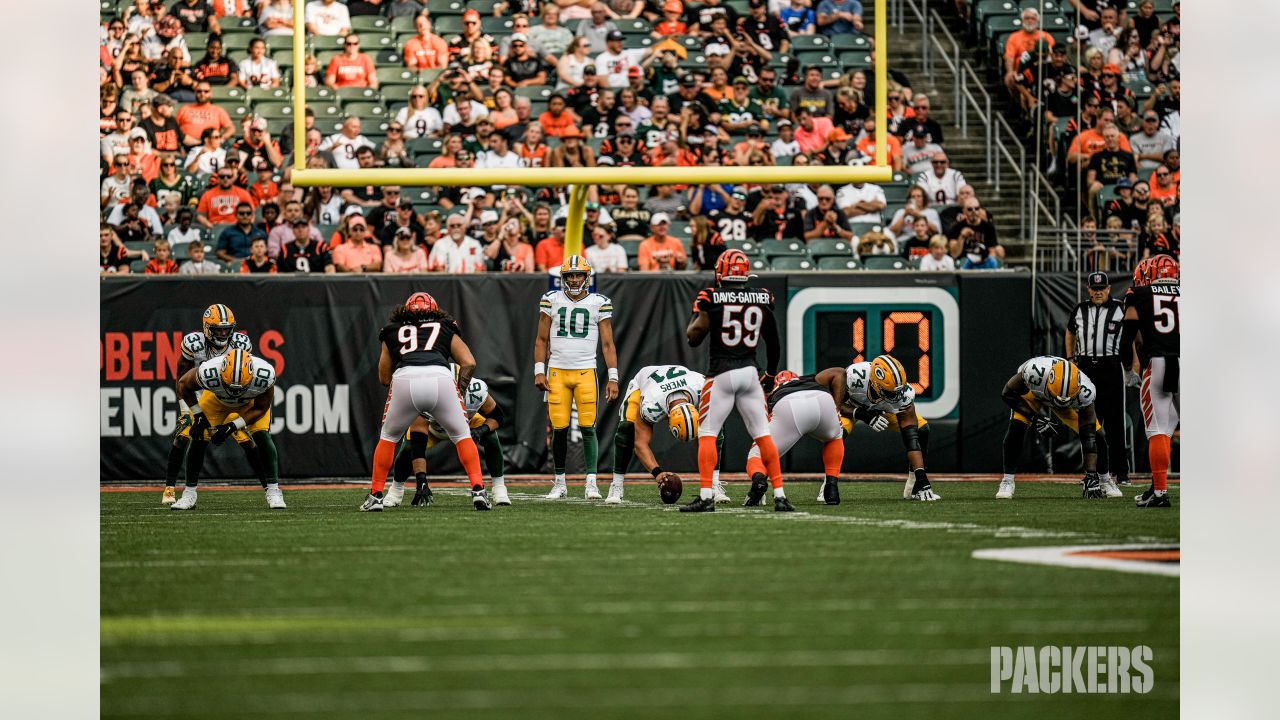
(1056, 384)
(657, 393)
(216, 337)
(238, 391)
(571, 322)
(879, 395)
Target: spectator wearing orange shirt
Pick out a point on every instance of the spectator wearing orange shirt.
(141, 159)
(426, 50)
(357, 254)
(867, 144)
(660, 251)
(162, 263)
(193, 119)
(557, 118)
(549, 253)
(811, 131)
(217, 205)
(1163, 185)
(1020, 42)
(1091, 140)
(352, 68)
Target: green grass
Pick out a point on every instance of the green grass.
(872, 609)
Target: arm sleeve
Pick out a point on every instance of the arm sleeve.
(772, 347)
(1128, 334)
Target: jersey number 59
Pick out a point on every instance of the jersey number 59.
(744, 331)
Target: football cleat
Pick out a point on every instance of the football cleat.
(479, 501)
(615, 494)
(187, 501)
(830, 491)
(1109, 488)
(372, 503)
(590, 491)
(1149, 499)
(782, 504)
(500, 495)
(558, 492)
(719, 495)
(921, 489)
(275, 499)
(423, 496)
(394, 496)
(170, 496)
(1006, 490)
(759, 484)
(700, 505)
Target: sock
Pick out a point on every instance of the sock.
(755, 466)
(706, 493)
(403, 466)
(778, 493)
(833, 457)
(195, 462)
(1104, 455)
(769, 453)
(383, 456)
(268, 458)
(177, 453)
(619, 479)
(499, 481)
(1013, 437)
(559, 480)
(715, 476)
(1158, 452)
(273, 486)
(559, 451)
(707, 458)
(591, 478)
(923, 433)
(493, 459)
(624, 441)
(397, 485)
(470, 459)
(590, 451)
(1007, 476)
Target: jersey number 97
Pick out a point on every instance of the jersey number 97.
(415, 338)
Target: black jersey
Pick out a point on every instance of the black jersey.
(422, 339)
(741, 318)
(800, 384)
(310, 259)
(1159, 325)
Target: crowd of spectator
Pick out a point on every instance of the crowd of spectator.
(197, 143)
(1104, 95)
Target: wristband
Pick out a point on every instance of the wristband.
(656, 471)
(196, 410)
(239, 423)
(613, 374)
(182, 406)
(539, 368)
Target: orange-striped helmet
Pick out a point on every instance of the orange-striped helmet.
(1156, 267)
(888, 379)
(733, 266)
(237, 372)
(1063, 382)
(219, 324)
(784, 377)
(421, 302)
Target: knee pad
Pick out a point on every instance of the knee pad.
(910, 438)
(418, 445)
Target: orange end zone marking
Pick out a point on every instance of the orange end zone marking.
(1141, 555)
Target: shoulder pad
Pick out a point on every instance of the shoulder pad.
(240, 341)
(192, 345)
(262, 368)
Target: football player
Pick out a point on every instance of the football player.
(656, 393)
(803, 406)
(1057, 383)
(217, 336)
(237, 392)
(570, 324)
(878, 394)
(1151, 314)
(485, 417)
(418, 346)
(737, 318)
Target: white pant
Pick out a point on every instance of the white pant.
(423, 390)
(808, 413)
(738, 388)
(1159, 412)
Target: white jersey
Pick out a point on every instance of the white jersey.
(196, 348)
(656, 383)
(575, 328)
(1036, 373)
(477, 392)
(942, 190)
(857, 381)
(344, 149)
(258, 73)
(420, 123)
(210, 379)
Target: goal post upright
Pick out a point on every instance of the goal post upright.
(578, 179)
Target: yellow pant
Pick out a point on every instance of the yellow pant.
(1069, 417)
(476, 421)
(569, 387)
(631, 408)
(217, 414)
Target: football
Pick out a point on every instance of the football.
(670, 487)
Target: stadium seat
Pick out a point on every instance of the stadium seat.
(631, 246)
(397, 76)
(354, 94)
(894, 193)
(788, 262)
(837, 263)
(367, 23)
(496, 25)
(365, 110)
(421, 146)
(484, 7)
(775, 248)
(257, 95)
(849, 41)
(822, 58)
(825, 247)
(750, 247)
(760, 263)
(539, 92)
(859, 59)
(445, 26)
(221, 94)
(885, 262)
(236, 44)
(800, 43)
(283, 58)
(633, 25)
(403, 26)
(273, 110)
(388, 57)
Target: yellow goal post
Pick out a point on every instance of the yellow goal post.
(577, 179)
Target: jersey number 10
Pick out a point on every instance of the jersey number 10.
(576, 325)
(410, 338)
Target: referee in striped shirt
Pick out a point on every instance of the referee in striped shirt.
(1093, 342)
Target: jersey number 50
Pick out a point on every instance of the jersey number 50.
(734, 332)
(409, 337)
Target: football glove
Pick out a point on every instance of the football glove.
(199, 426)
(184, 421)
(1132, 379)
(878, 423)
(1092, 486)
(422, 497)
(221, 433)
(1044, 427)
(480, 433)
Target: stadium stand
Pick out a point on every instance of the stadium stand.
(725, 82)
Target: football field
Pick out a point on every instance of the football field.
(875, 608)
